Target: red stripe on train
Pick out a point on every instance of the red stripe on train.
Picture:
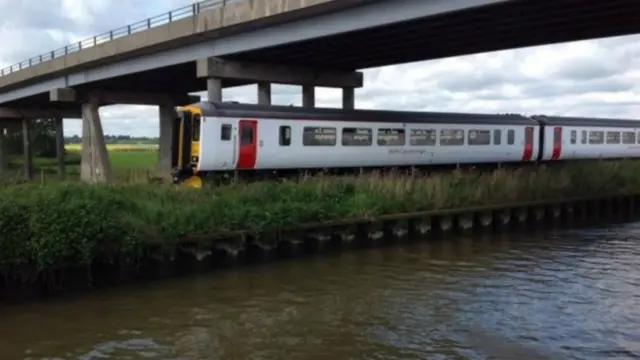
(528, 144)
(557, 143)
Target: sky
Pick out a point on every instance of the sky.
(587, 78)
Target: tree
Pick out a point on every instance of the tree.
(43, 139)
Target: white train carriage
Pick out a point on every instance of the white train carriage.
(231, 136)
(570, 138)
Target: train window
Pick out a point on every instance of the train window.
(391, 137)
(479, 137)
(319, 136)
(574, 136)
(638, 137)
(422, 137)
(285, 135)
(225, 132)
(357, 137)
(596, 137)
(583, 137)
(497, 137)
(613, 137)
(195, 128)
(511, 137)
(450, 137)
(629, 137)
(246, 135)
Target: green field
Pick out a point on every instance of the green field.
(130, 163)
(133, 160)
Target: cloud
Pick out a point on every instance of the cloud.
(586, 78)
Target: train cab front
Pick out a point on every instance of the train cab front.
(187, 142)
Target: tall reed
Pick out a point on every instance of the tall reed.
(64, 224)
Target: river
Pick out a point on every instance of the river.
(567, 295)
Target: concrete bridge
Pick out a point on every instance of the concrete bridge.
(223, 43)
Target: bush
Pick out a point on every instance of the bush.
(67, 224)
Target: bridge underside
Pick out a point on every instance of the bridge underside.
(505, 25)
(514, 24)
(178, 79)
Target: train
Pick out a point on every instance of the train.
(236, 140)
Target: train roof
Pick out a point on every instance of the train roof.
(579, 121)
(238, 110)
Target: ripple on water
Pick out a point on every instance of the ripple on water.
(572, 294)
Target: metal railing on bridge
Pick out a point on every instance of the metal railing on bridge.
(159, 20)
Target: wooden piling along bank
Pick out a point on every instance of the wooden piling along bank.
(193, 254)
(70, 237)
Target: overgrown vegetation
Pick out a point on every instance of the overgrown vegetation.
(66, 224)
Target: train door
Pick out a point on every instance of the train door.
(186, 140)
(248, 146)
(225, 151)
(557, 143)
(182, 139)
(527, 153)
(176, 142)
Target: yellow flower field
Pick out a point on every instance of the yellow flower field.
(118, 147)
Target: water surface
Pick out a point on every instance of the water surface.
(572, 295)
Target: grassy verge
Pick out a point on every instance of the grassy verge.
(65, 224)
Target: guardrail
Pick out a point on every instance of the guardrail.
(159, 20)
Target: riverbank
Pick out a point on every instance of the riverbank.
(69, 225)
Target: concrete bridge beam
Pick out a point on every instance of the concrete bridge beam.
(281, 74)
(120, 97)
(216, 69)
(39, 113)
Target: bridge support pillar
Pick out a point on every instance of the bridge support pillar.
(95, 167)
(308, 96)
(4, 156)
(214, 89)
(62, 173)
(26, 148)
(348, 98)
(264, 93)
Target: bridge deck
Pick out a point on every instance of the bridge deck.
(181, 27)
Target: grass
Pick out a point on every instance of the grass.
(131, 163)
(126, 156)
(66, 224)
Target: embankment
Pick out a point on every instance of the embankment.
(79, 228)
